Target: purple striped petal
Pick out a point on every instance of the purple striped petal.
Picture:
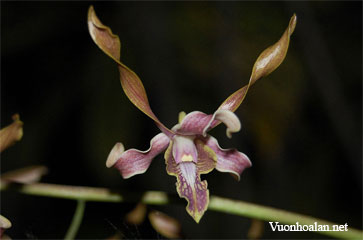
(199, 123)
(189, 185)
(193, 123)
(229, 160)
(134, 161)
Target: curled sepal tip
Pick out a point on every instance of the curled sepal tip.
(115, 154)
(229, 119)
(266, 63)
(274, 55)
(102, 35)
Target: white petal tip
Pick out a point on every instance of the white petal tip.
(230, 119)
(115, 154)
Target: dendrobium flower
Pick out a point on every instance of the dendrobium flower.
(189, 150)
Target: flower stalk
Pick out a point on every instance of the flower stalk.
(219, 204)
(76, 221)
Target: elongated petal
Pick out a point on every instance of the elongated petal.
(189, 185)
(134, 161)
(110, 44)
(12, 133)
(198, 123)
(266, 63)
(229, 160)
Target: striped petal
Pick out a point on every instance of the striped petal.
(199, 123)
(134, 161)
(193, 123)
(189, 185)
(207, 158)
(110, 44)
(228, 160)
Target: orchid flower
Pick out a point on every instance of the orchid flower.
(189, 150)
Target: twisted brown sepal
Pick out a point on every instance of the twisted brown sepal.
(266, 63)
(110, 44)
(12, 133)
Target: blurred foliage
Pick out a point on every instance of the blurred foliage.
(301, 126)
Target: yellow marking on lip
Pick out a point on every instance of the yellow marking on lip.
(187, 158)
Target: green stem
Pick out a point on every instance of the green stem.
(76, 221)
(161, 198)
(270, 214)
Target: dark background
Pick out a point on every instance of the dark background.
(301, 126)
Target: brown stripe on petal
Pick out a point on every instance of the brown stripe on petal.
(207, 158)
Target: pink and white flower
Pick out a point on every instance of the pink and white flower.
(189, 150)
